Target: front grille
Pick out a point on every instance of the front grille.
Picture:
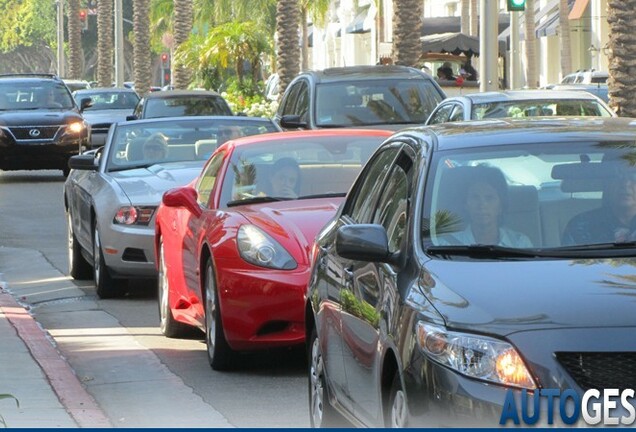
(601, 370)
(34, 133)
(133, 254)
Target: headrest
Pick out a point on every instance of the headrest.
(204, 148)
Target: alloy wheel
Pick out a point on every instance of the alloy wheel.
(317, 391)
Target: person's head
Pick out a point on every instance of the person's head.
(155, 147)
(285, 178)
(486, 196)
(620, 190)
(227, 133)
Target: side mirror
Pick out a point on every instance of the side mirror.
(85, 162)
(183, 197)
(292, 121)
(131, 117)
(364, 242)
(85, 103)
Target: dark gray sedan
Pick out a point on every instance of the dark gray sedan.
(113, 192)
(472, 262)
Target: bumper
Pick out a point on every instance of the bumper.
(129, 251)
(262, 308)
(34, 155)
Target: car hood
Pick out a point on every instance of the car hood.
(294, 224)
(38, 117)
(146, 186)
(106, 116)
(509, 296)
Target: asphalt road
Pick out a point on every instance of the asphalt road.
(139, 377)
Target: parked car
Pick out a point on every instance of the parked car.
(173, 103)
(74, 85)
(518, 103)
(586, 77)
(599, 90)
(106, 106)
(232, 247)
(418, 315)
(40, 125)
(386, 97)
(113, 192)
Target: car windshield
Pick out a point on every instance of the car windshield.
(142, 144)
(34, 95)
(108, 100)
(186, 106)
(568, 195)
(532, 108)
(375, 102)
(308, 167)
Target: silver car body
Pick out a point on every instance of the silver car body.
(94, 194)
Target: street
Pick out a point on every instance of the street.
(137, 376)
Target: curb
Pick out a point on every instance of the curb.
(66, 385)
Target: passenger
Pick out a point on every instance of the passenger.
(284, 181)
(50, 99)
(155, 148)
(615, 220)
(485, 201)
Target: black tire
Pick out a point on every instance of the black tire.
(107, 287)
(220, 354)
(78, 267)
(396, 413)
(66, 171)
(167, 324)
(321, 413)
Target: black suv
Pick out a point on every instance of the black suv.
(387, 97)
(41, 126)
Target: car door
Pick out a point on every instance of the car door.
(336, 280)
(294, 101)
(370, 284)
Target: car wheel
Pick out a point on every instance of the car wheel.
(78, 267)
(219, 352)
(168, 325)
(105, 284)
(66, 171)
(321, 413)
(397, 412)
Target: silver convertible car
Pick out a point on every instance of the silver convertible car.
(112, 193)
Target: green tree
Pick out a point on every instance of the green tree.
(105, 45)
(141, 46)
(621, 56)
(288, 52)
(407, 30)
(182, 26)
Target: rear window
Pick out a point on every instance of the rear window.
(186, 106)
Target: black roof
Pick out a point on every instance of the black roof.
(364, 73)
(30, 77)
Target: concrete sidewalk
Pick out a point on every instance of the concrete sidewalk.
(32, 370)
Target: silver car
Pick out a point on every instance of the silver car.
(112, 192)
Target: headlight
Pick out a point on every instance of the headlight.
(76, 127)
(259, 249)
(474, 356)
(129, 215)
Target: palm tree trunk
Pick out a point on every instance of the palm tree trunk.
(182, 27)
(141, 46)
(532, 75)
(465, 16)
(407, 30)
(105, 43)
(305, 39)
(564, 38)
(288, 55)
(622, 56)
(74, 40)
(474, 18)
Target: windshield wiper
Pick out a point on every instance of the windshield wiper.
(131, 167)
(255, 200)
(483, 251)
(595, 247)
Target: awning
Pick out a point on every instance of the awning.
(454, 43)
(437, 25)
(362, 23)
(578, 9)
(549, 26)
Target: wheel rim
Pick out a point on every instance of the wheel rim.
(317, 388)
(163, 288)
(399, 410)
(97, 256)
(210, 311)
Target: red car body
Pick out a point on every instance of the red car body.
(259, 307)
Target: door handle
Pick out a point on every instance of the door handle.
(347, 275)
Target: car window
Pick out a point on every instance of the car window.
(108, 100)
(392, 206)
(363, 195)
(302, 104)
(457, 114)
(207, 180)
(289, 104)
(35, 95)
(186, 106)
(442, 115)
(532, 108)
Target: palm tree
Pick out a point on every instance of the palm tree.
(182, 26)
(465, 16)
(407, 30)
(288, 58)
(532, 76)
(105, 43)
(474, 18)
(76, 55)
(141, 46)
(621, 57)
(564, 37)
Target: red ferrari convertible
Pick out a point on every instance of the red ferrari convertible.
(233, 246)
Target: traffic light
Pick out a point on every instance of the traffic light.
(166, 77)
(165, 61)
(83, 16)
(516, 5)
